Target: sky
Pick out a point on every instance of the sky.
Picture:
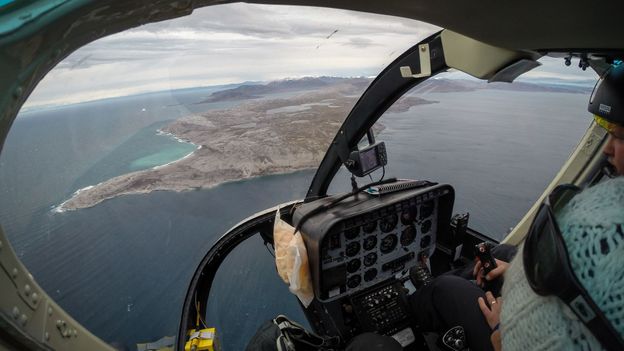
(239, 42)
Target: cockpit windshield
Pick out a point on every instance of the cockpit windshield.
(139, 150)
(498, 144)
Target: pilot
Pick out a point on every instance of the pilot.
(606, 103)
(588, 273)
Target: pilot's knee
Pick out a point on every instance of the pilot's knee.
(441, 289)
(448, 287)
(445, 282)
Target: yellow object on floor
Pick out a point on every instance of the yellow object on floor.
(204, 339)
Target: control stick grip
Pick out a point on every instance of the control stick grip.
(484, 254)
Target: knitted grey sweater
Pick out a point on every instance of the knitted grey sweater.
(591, 224)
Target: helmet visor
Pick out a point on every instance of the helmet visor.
(609, 126)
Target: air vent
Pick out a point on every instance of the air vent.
(401, 184)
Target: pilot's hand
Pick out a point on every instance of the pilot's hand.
(491, 309)
(501, 267)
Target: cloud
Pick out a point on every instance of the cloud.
(555, 69)
(234, 43)
(229, 44)
(360, 42)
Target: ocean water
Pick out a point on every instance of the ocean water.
(122, 267)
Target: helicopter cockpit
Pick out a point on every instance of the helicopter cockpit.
(362, 245)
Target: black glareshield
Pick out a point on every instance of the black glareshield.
(549, 272)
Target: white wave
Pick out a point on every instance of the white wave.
(173, 136)
(60, 208)
(180, 159)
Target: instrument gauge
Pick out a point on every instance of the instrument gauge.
(388, 243)
(370, 259)
(354, 281)
(426, 209)
(370, 242)
(409, 215)
(388, 223)
(370, 226)
(353, 248)
(408, 235)
(352, 233)
(354, 265)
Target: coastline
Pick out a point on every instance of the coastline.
(61, 208)
(180, 159)
(255, 138)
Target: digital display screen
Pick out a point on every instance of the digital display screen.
(368, 159)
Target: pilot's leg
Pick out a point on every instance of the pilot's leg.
(449, 301)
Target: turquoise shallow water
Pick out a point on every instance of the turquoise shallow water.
(145, 148)
(169, 153)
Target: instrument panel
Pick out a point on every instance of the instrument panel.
(375, 246)
(365, 240)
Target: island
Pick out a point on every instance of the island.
(262, 135)
(267, 134)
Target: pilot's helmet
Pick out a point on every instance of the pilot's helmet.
(607, 99)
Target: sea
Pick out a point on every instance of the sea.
(122, 267)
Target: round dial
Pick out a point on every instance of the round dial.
(388, 243)
(425, 241)
(352, 233)
(353, 248)
(409, 215)
(370, 274)
(426, 210)
(388, 223)
(354, 265)
(354, 281)
(425, 226)
(408, 235)
(370, 259)
(370, 226)
(370, 242)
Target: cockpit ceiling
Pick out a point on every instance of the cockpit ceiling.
(529, 24)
